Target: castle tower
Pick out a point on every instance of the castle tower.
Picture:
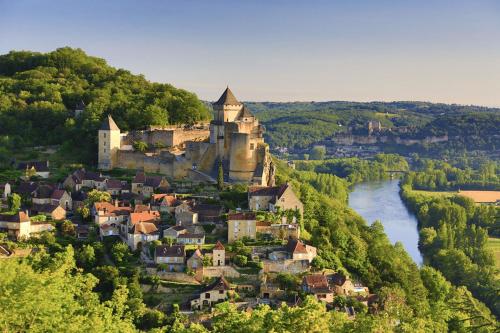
(226, 109)
(109, 144)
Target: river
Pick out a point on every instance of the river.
(380, 201)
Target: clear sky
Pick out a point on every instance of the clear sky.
(361, 50)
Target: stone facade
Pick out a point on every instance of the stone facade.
(234, 137)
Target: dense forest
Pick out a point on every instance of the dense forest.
(453, 236)
(40, 91)
(299, 125)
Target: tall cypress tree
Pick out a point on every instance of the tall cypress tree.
(220, 176)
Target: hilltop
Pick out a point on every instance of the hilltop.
(40, 91)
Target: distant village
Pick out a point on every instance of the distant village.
(184, 230)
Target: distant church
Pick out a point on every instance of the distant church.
(234, 137)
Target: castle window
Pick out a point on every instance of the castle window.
(252, 146)
(104, 150)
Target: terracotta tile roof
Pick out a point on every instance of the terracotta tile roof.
(227, 98)
(197, 254)
(482, 196)
(219, 246)
(242, 216)
(148, 216)
(144, 228)
(111, 209)
(316, 280)
(141, 208)
(295, 246)
(170, 251)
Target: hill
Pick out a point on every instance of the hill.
(298, 125)
(39, 91)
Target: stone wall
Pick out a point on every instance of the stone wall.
(287, 265)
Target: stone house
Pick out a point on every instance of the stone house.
(78, 199)
(297, 250)
(343, 285)
(142, 233)
(240, 225)
(19, 225)
(195, 261)
(55, 212)
(27, 190)
(114, 186)
(61, 198)
(5, 190)
(214, 293)
(184, 215)
(191, 238)
(208, 213)
(146, 185)
(317, 284)
(111, 218)
(173, 257)
(272, 198)
(141, 227)
(218, 255)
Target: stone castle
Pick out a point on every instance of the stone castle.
(234, 138)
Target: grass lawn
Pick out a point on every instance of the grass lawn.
(494, 245)
(436, 193)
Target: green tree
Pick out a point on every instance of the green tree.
(140, 146)
(14, 202)
(220, 176)
(318, 153)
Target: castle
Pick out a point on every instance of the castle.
(234, 138)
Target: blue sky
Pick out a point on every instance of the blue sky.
(442, 51)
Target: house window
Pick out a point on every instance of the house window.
(104, 134)
(252, 146)
(221, 292)
(104, 150)
(207, 295)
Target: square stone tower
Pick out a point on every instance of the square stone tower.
(109, 144)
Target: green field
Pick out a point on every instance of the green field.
(494, 245)
(436, 193)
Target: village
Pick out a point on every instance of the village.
(249, 255)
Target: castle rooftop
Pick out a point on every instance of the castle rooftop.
(227, 98)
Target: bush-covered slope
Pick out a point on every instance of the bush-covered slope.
(39, 91)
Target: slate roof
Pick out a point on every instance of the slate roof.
(227, 98)
(42, 166)
(219, 284)
(109, 124)
(26, 188)
(140, 177)
(114, 184)
(18, 217)
(245, 113)
(44, 208)
(170, 251)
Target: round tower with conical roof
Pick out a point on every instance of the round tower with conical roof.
(109, 144)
